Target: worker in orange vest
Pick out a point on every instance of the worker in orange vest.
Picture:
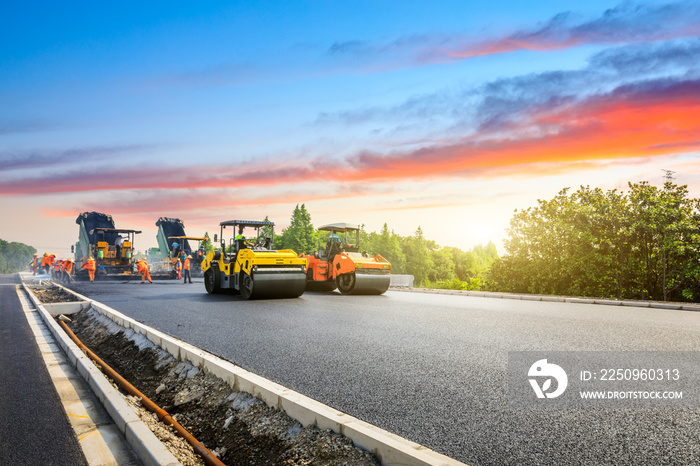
(57, 270)
(89, 265)
(186, 269)
(142, 268)
(67, 270)
(45, 263)
(178, 269)
(50, 260)
(34, 264)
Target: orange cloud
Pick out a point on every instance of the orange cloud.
(647, 120)
(511, 45)
(623, 24)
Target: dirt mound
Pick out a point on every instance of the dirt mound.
(52, 294)
(241, 429)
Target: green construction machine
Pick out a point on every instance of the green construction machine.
(173, 243)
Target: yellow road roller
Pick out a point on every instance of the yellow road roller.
(251, 266)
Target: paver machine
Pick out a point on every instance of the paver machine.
(252, 267)
(112, 248)
(340, 264)
(173, 243)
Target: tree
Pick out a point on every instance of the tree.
(665, 226)
(388, 245)
(207, 242)
(642, 245)
(418, 262)
(266, 232)
(443, 267)
(15, 256)
(300, 236)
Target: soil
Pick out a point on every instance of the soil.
(177, 445)
(240, 429)
(52, 294)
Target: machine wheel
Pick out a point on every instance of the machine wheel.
(346, 282)
(212, 280)
(246, 285)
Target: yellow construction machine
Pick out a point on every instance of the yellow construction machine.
(253, 268)
(112, 248)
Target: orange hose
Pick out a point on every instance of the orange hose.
(200, 449)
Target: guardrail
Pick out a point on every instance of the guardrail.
(561, 299)
(401, 281)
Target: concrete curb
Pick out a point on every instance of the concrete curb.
(145, 444)
(558, 299)
(391, 449)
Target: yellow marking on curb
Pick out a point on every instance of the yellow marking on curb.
(91, 433)
(84, 416)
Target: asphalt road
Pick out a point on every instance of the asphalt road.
(34, 427)
(433, 368)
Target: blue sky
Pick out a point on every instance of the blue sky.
(446, 115)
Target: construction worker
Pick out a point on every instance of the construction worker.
(186, 269)
(178, 269)
(50, 260)
(118, 243)
(45, 263)
(67, 270)
(333, 245)
(240, 240)
(34, 264)
(58, 270)
(142, 268)
(89, 265)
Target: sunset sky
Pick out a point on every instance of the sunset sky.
(446, 115)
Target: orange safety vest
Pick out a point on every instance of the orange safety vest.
(58, 265)
(89, 264)
(187, 264)
(68, 267)
(141, 265)
(178, 266)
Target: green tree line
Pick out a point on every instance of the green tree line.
(430, 264)
(15, 256)
(642, 244)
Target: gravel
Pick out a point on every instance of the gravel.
(237, 427)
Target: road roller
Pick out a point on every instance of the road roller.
(250, 266)
(340, 264)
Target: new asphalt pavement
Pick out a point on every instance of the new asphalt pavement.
(433, 368)
(34, 427)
